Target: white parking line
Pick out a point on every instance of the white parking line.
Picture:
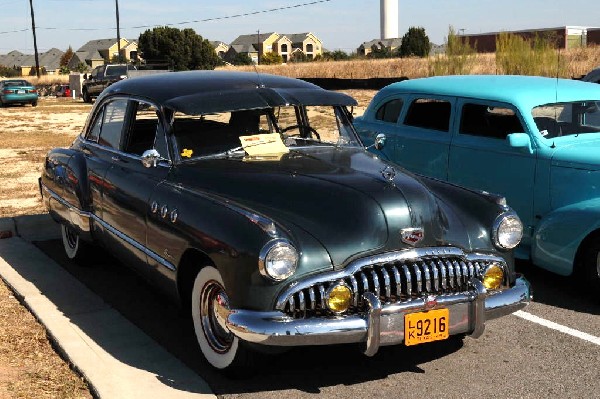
(558, 327)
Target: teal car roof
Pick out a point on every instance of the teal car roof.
(523, 91)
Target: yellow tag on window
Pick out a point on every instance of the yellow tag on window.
(186, 153)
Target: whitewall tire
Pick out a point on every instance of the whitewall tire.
(219, 346)
(75, 248)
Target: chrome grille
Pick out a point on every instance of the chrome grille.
(393, 281)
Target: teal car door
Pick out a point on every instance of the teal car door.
(423, 137)
(482, 158)
(384, 120)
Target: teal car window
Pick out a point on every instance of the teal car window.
(569, 118)
(390, 111)
(489, 121)
(429, 113)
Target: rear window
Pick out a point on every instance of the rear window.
(429, 113)
(117, 70)
(390, 111)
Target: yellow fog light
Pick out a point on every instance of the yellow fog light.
(493, 277)
(339, 297)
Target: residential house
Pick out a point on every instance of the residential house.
(286, 45)
(48, 60)
(102, 51)
(367, 47)
(220, 48)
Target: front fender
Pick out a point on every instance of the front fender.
(560, 233)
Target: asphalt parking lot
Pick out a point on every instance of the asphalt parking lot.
(551, 349)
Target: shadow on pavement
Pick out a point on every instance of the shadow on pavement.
(306, 369)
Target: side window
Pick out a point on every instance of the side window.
(489, 121)
(112, 124)
(390, 111)
(94, 133)
(143, 131)
(429, 113)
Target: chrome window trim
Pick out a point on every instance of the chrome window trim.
(357, 265)
(164, 164)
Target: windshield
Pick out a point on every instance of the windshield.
(116, 70)
(261, 132)
(569, 118)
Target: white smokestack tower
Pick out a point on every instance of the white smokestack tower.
(389, 19)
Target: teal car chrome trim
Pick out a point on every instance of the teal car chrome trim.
(382, 325)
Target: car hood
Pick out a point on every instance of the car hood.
(579, 152)
(349, 200)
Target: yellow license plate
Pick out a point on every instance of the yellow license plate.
(423, 327)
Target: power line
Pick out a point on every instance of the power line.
(247, 14)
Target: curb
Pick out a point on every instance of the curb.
(116, 358)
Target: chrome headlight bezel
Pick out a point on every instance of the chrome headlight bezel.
(274, 250)
(502, 225)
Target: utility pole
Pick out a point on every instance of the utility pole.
(37, 60)
(118, 33)
(258, 47)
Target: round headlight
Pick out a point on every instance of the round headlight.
(508, 231)
(278, 260)
(339, 297)
(493, 277)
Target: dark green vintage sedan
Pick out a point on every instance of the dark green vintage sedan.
(250, 198)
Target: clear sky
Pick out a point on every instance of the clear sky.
(340, 24)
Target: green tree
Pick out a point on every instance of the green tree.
(337, 55)
(415, 42)
(271, 58)
(299, 57)
(181, 49)
(82, 67)
(66, 57)
(380, 52)
(242, 59)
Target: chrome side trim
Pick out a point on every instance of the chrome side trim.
(88, 217)
(83, 221)
(161, 261)
(355, 266)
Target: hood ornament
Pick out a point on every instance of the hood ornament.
(412, 235)
(388, 173)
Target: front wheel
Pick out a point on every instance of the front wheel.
(591, 266)
(75, 248)
(220, 347)
(86, 96)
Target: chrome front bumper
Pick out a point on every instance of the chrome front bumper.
(382, 325)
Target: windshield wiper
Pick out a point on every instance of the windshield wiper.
(225, 154)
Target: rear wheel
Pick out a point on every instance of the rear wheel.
(34, 104)
(75, 248)
(223, 350)
(591, 265)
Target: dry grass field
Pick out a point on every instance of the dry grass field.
(29, 368)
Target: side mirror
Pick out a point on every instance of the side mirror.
(379, 141)
(520, 140)
(150, 158)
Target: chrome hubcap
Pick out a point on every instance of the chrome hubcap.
(212, 301)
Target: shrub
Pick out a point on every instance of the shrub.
(516, 55)
(459, 58)
(271, 58)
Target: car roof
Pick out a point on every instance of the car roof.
(200, 92)
(524, 91)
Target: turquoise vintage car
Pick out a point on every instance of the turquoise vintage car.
(534, 140)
